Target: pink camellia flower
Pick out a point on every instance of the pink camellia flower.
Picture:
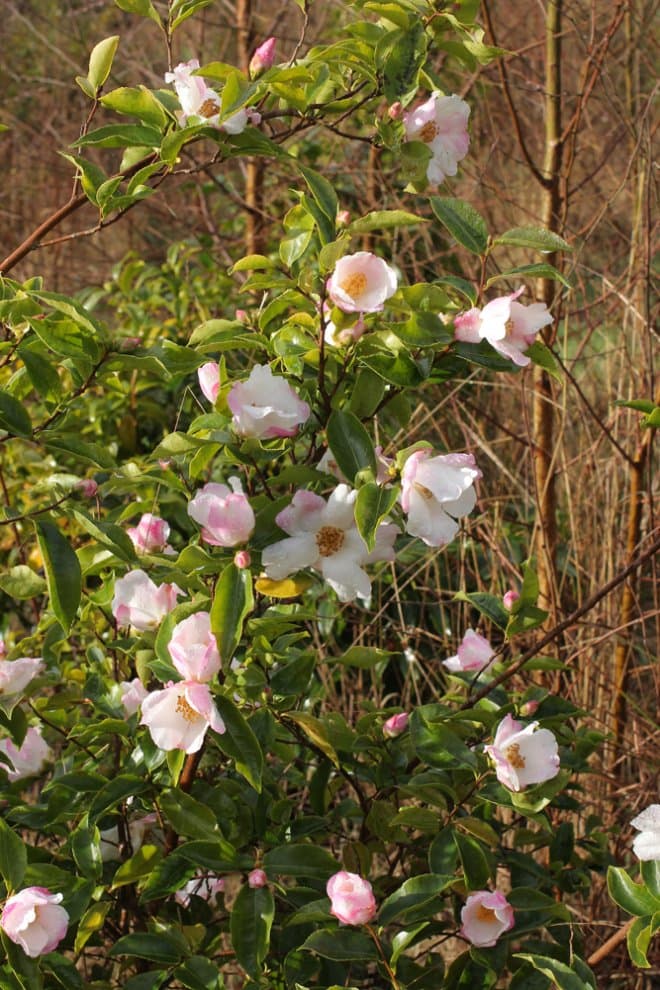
(138, 830)
(361, 283)
(323, 535)
(225, 514)
(209, 380)
(507, 325)
(242, 559)
(150, 535)
(263, 58)
(200, 103)
(474, 653)
(138, 602)
(486, 915)
(257, 878)
(133, 694)
(28, 759)
(435, 491)
(33, 919)
(208, 886)
(178, 716)
(509, 599)
(395, 725)
(266, 406)
(441, 123)
(646, 845)
(15, 675)
(194, 649)
(523, 756)
(351, 898)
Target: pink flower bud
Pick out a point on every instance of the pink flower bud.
(485, 917)
(529, 708)
(263, 58)
(395, 112)
(351, 898)
(133, 694)
(150, 535)
(34, 920)
(130, 343)
(509, 599)
(257, 878)
(242, 559)
(241, 316)
(343, 218)
(254, 117)
(87, 487)
(209, 380)
(395, 725)
(164, 465)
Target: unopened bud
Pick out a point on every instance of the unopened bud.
(529, 708)
(257, 878)
(87, 487)
(343, 218)
(164, 464)
(241, 316)
(395, 725)
(395, 112)
(263, 58)
(254, 117)
(509, 599)
(242, 559)
(130, 343)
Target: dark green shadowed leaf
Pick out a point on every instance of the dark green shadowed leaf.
(251, 920)
(63, 574)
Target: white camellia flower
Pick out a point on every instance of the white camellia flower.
(15, 675)
(473, 654)
(485, 916)
(441, 123)
(646, 845)
(266, 406)
(200, 103)
(138, 602)
(507, 325)
(208, 886)
(523, 755)
(323, 535)
(34, 919)
(194, 649)
(361, 283)
(178, 716)
(133, 694)
(29, 758)
(435, 491)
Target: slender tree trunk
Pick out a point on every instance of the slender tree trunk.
(254, 175)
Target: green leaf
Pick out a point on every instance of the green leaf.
(364, 657)
(540, 270)
(140, 103)
(114, 792)
(157, 947)
(13, 857)
(413, 895)
(198, 973)
(342, 945)
(92, 921)
(121, 136)
(63, 970)
(316, 732)
(489, 605)
(541, 355)
(100, 61)
(384, 220)
(561, 974)
(187, 816)
(232, 601)
(350, 444)
(534, 238)
(63, 574)
(651, 876)
(400, 56)
(641, 405)
(437, 745)
(373, 503)
(323, 192)
(86, 852)
(300, 860)
(462, 221)
(633, 897)
(13, 417)
(140, 864)
(21, 582)
(476, 867)
(240, 742)
(144, 8)
(638, 940)
(250, 924)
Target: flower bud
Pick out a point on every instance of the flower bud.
(241, 316)
(509, 599)
(351, 898)
(87, 487)
(242, 559)
(263, 58)
(395, 112)
(395, 725)
(343, 218)
(257, 878)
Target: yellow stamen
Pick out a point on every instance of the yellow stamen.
(329, 540)
(209, 108)
(485, 914)
(184, 707)
(354, 285)
(429, 131)
(512, 754)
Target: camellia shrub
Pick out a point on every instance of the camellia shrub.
(207, 502)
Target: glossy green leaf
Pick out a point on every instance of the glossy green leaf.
(157, 947)
(372, 505)
(198, 973)
(100, 61)
(136, 102)
(413, 895)
(63, 574)
(539, 270)
(21, 582)
(144, 8)
(635, 898)
(300, 860)
(342, 945)
(187, 816)
(400, 56)
(232, 602)
(638, 939)
(240, 742)
(350, 444)
(384, 220)
(140, 864)
(561, 974)
(534, 238)
(651, 876)
(476, 868)
(114, 792)
(489, 605)
(13, 417)
(542, 356)
(13, 857)
(250, 924)
(462, 221)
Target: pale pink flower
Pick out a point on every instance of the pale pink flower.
(266, 406)
(15, 675)
(523, 755)
(242, 559)
(335, 337)
(87, 487)
(133, 694)
(138, 830)
(507, 325)
(208, 886)
(197, 99)
(395, 725)
(209, 380)
(178, 716)
(224, 514)
(323, 535)
(435, 491)
(263, 58)
(473, 654)
(361, 283)
(194, 649)
(138, 602)
(238, 121)
(150, 535)
(485, 916)
(351, 898)
(257, 878)
(28, 759)
(328, 465)
(646, 845)
(509, 599)
(441, 123)
(33, 919)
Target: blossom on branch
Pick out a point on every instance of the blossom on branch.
(523, 756)
(266, 406)
(138, 602)
(224, 513)
(361, 283)
(506, 324)
(209, 380)
(150, 535)
(199, 103)
(473, 654)
(440, 123)
(33, 919)
(646, 845)
(323, 535)
(178, 716)
(435, 491)
(194, 649)
(351, 898)
(485, 916)
(133, 694)
(29, 758)
(15, 675)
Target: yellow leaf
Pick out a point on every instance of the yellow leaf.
(288, 588)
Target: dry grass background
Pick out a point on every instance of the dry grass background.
(604, 332)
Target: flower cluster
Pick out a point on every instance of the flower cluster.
(441, 124)
(506, 324)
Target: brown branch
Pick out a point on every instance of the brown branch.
(611, 944)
